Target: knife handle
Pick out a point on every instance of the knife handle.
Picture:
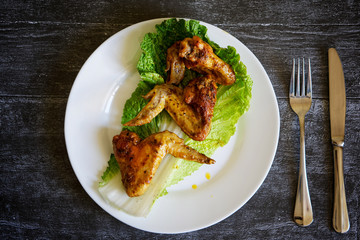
(341, 222)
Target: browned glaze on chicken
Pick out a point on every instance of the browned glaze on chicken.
(200, 93)
(175, 66)
(171, 98)
(139, 159)
(199, 56)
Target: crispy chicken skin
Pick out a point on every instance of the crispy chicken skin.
(139, 159)
(175, 66)
(171, 97)
(200, 93)
(199, 56)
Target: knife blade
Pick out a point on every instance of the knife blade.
(337, 99)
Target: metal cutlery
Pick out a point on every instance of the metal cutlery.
(337, 99)
(300, 96)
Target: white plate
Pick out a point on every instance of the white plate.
(93, 117)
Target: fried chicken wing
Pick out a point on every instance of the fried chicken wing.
(139, 159)
(175, 65)
(171, 98)
(199, 56)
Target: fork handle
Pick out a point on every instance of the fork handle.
(303, 214)
(341, 222)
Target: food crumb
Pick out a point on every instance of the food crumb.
(194, 186)
(208, 176)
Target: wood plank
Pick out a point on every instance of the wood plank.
(229, 12)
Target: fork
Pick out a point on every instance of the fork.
(300, 102)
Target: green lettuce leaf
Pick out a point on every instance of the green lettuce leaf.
(112, 170)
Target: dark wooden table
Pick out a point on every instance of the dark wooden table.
(45, 43)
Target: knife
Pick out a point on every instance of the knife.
(337, 98)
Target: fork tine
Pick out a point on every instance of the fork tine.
(303, 79)
(298, 79)
(292, 80)
(309, 82)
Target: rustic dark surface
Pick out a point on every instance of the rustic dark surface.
(45, 43)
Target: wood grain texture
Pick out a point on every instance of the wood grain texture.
(43, 46)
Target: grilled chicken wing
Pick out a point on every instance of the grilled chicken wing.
(139, 159)
(171, 97)
(200, 57)
(175, 66)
